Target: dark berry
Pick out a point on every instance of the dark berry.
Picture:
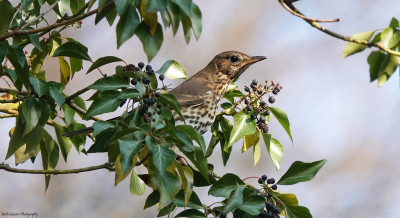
(246, 102)
(274, 92)
(275, 210)
(254, 82)
(153, 100)
(150, 72)
(246, 89)
(262, 120)
(147, 101)
(271, 99)
(134, 82)
(261, 181)
(266, 113)
(145, 107)
(253, 116)
(148, 67)
(271, 181)
(140, 65)
(268, 206)
(146, 79)
(262, 103)
(277, 88)
(223, 215)
(264, 177)
(149, 114)
(161, 77)
(264, 215)
(159, 104)
(274, 186)
(269, 195)
(260, 91)
(217, 212)
(249, 108)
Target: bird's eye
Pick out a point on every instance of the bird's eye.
(233, 58)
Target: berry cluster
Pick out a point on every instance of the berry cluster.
(218, 213)
(256, 105)
(270, 211)
(142, 73)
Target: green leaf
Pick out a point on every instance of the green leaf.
(156, 5)
(152, 199)
(151, 43)
(127, 25)
(72, 49)
(162, 157)
(63, 6)
(199, 161)
(128, 148)
(184, 5)
(191, 213)
(105, 102)
(242, 125)
(34, 39)
(103, 61)
(31, 112)
(57, 96)
(352, 48)
(274, 148)
(65, 71)
(252, 204)
(76, 65)
(194, 135)
(282, 118)
(194, 201)
(224, 186)
(297, 212)
(189, 198)
(33, 139)
(65, 142)
(382, 66)
(172, 70)
(40, 86)
(301, 172)
(288, 199)
(121, 5)
(394, 23)
(235, 199)
(168, 185)
(16, 140)
(136, 186)
(170, 100)
(113, 82)
(7, 12)
(196, 21)
(129, 94)
(119, 175)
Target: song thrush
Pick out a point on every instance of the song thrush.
(199, 96)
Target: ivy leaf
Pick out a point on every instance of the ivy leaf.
(151, 43)
(121, 5)
(252, 203)
(162, 157)
(172, 70)
(301, 172)
(119, 175)
(105, 102)
(103, 61)
(127, 25)
(63, 6)
(189, 198)
(288, 199)
(194, 135)
(136, 186)
(191, 213)
(7, 12)
(128, 148)
(352, 48)
(297, 212)
(40, 86)
(152, 199)
(224, 186)
(113, 82)
(235, 199)
(242, 125)
(72, 49)
(274, 148)
(194, 201)
(65, 70)
(184, 5)
(382, 66)
(65, 142)
(156, 5)
(282, 118)
(168, 185)
(170, 100)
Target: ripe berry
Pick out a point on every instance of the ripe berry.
(147, 101)
(254, 82)
(217, 211)
(275, 210)
(150, 72)
(269, 195)
(268, 206)
(134, 82)
(262, 103)
(148, 67)
(146, 79)
(274, 186)
(262, 120)
(149, 114)
(145, 107)
(249, 108)
(271, 181)
(246, 89)
(264, 215)
(223, 215)
(161, 77)
(274, 92)
(271, 99)
(261, 181)
(266, 113)
(246, 102)
(158, 94)
(264, 177)
(140, 65)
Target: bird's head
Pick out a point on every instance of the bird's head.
(234, 63)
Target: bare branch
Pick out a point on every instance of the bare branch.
(109, 166)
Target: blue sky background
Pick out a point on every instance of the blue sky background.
(334, 110)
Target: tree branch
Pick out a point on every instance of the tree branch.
(313, 22)
(109, 166)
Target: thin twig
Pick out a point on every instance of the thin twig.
(7, 90)
(40, 16)
(80, 110)
(108, 166)
(336, 35)
(284, 4)
(69, 98)
(13, 100)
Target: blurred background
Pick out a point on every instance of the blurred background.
(334, 110)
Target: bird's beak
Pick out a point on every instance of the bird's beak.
(255, 59)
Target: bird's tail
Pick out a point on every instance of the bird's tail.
(79, 132)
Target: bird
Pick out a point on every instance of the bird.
(200, 95)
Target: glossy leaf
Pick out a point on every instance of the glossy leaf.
(16, 140)
(194, 135)
(137, 186)
(65, 70)
(31, 112)
(352, 48)
(113, 82)
(194, 201)
(129, 94)
(156, 5)
(128, 148)
(127, 25)
(63, 6)
(40, 86)
(242, 125)
(106, 101)
(274, 148)
(301, 172)
(72, 49)
(186, 176)
(119, 175)
(252, 204)
(103, 61)
(382, 66)
(121, 5)
(170, 100)
(225, 185)
(282, 118)
(184, 5)
(297, 212)
(172, 70)
(64, 142)
(152, 199)
(7, 12)
(191, 213)
(151, 43)
(235, 199)
(168, 185)
(162, 157)
(288, 199)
